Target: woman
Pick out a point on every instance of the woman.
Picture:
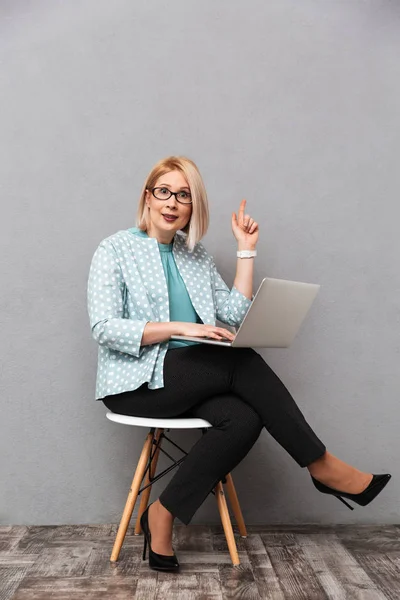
(156, 280)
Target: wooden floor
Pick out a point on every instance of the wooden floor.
(277, 563)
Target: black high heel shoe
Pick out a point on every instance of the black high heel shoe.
(159, 562)
(377, 484)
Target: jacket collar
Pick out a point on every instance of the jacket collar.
(145, 240)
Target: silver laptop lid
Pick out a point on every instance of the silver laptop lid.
(277, 312)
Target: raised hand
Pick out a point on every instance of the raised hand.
(245, 229)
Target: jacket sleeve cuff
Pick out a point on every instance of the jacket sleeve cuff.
(124, 335)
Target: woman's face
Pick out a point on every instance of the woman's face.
(161, 228)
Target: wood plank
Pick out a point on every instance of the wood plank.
(267, 582)
(35, 539)
(201, 568)
(99, 563)
(329, 557)
(309, 528)
(383, 539)
(209, 586)
(238, 582)
(146, 587)
(279, 539)
(12, 529)
(196, 538)
(84, 531)
(329, 580)
(219, 543)
(61, 562)
(131, 544)
(10, 578)
(296, 578)
(10, 537)
(383, 572)
(214, 558)
(17, 559)
(187, 587)
(76, 588)
(394, 557)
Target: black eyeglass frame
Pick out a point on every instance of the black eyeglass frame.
(171, 194)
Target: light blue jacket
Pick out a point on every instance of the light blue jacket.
(127, 289)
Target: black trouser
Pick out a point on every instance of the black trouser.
(238, 393)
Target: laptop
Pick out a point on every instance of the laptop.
(274, 317)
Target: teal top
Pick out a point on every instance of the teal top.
(180, 304)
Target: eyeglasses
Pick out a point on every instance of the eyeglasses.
(162, 193)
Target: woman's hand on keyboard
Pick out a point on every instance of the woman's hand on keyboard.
(207, 331)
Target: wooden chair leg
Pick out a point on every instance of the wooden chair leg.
(237, 511)
(145, 495)
(132, 496)
(226, 523)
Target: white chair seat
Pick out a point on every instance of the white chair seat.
(184, 423)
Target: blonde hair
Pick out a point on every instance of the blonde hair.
(197, 226)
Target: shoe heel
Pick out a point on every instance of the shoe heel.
(144, 547)
(344, 502)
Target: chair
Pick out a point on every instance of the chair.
(146, 469)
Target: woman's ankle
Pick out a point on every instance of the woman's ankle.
(320, 463)
(162, 512)
(160, 524)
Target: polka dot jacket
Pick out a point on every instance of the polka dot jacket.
(127, 288)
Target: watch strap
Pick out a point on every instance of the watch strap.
(246, 253)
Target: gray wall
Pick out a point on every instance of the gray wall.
(292, 105)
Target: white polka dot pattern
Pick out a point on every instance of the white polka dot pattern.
(127, 289)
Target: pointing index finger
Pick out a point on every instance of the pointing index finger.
(241, 211)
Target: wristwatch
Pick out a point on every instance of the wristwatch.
(246, 253)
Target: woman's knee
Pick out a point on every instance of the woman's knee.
(230, 412)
